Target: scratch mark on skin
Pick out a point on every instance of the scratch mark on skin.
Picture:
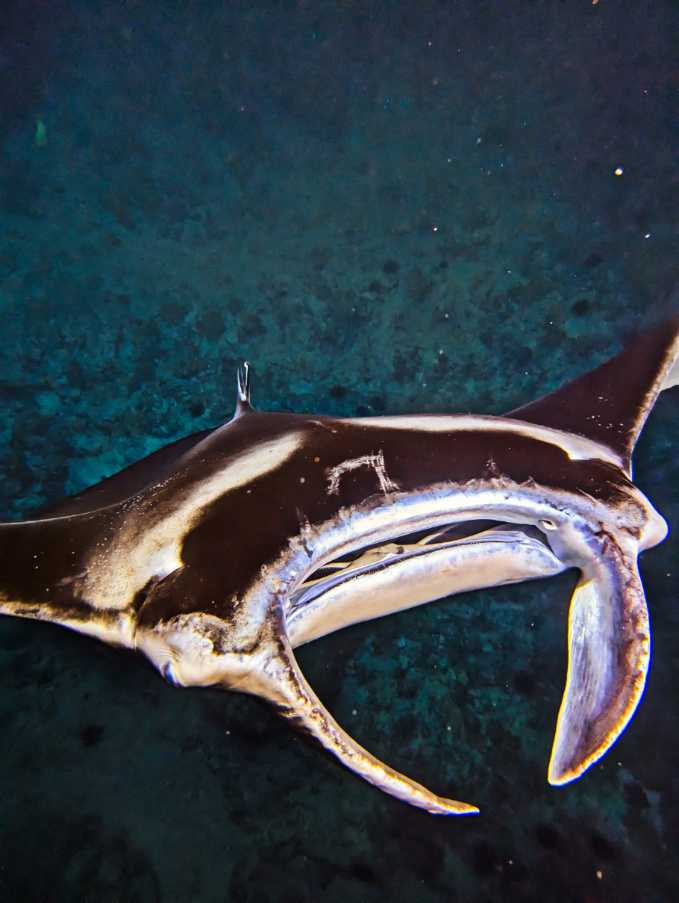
(375, 461)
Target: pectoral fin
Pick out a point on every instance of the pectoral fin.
(609, 647)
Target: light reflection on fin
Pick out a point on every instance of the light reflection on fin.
(609, 649)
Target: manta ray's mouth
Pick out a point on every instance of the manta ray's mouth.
(415, 560)
(375, 557)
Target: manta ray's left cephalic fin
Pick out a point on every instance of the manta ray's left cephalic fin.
(275, 677)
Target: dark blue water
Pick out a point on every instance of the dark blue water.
(386, 208)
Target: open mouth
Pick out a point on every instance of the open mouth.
(373, 556)
(417, 567)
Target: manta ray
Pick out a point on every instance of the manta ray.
(219, 554)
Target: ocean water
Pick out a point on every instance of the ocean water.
(386, 208)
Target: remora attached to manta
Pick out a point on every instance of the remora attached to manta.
(218, 554)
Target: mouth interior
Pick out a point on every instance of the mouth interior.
(372, 556)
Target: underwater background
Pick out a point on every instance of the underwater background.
(387, 208)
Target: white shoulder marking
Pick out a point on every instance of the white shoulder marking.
(374, 461)
(257, 461)
(149, 545)
(578, 448)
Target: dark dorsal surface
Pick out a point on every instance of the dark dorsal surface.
(610, 404)
(127, 483)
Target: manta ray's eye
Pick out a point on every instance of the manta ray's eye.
(548, 525)
(168, 673)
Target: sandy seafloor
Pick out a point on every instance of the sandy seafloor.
(387, 208)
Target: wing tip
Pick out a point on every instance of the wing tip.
(559, 775)
(610, 404)
(460, 809)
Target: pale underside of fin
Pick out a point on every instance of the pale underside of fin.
(609, 648)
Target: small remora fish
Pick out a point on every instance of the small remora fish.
(218, 554)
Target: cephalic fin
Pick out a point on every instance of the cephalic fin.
(609, 649)
(294, 700)
(610, 404)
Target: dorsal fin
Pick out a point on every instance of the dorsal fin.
(243, 405)
(610, 404)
